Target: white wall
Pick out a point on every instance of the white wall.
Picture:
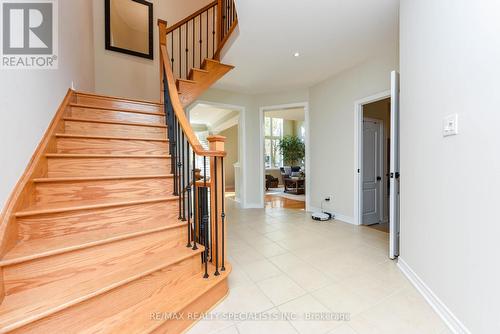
(123, 75)
(332, 130)
(450, 227)
(232, 149)
(29, 99)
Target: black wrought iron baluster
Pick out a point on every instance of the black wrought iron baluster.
(206, 41)
(188, 191)
(180, 54)
(187, 49)
(213, 31)
(169, 122)
(176, 155)
(179, 164)
(215, 189)
(228, 16)
(201, 34)
(183, 178)
(223, 22)
(195, 211)
(223, 214)
(205, 214)
(194, 37)
(172, 45)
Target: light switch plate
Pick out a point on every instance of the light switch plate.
(450, 125)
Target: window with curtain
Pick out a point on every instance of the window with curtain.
(273, 131)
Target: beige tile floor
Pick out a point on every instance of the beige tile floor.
(285, 264)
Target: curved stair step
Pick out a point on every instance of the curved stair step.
(68, 165)
(140, 307)
(86, 190)
(117, 102)
(113, 115)
(37, 289)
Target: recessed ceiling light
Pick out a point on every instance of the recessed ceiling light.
(296, 54)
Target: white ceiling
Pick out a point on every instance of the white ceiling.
(331, 36)
(211, 116)
(292, 114)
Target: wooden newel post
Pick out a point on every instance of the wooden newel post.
(162, 27)
(217, 184)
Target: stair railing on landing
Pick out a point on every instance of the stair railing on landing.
(200, 193)
(201, 35)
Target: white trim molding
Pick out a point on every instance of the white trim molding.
(453, 323)
(358, 154)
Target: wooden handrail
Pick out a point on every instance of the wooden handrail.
(179, 110)
(192, 16)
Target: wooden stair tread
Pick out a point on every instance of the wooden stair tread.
(88, 120)
(162, 301)
(107, 156)
(208, 60)
(187, 81)
(118, 98)
(69, 135)
(39, 248)
(91, 106)
(91, 205)
(194, 69)
(74, 289)
(101, 178)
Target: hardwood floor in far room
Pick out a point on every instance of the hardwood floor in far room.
(272, 202)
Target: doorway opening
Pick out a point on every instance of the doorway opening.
(284, 140)
(209, 119)
(376, 164)
(376, 161)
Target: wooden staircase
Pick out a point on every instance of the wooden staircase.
(92, 240)
(100, 248)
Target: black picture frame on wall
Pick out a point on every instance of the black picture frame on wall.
(109, 46)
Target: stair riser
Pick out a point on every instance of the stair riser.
(68, 167)
(198, 76)
(66, 193)
(110, 146)
(88, 264)
(109, 103)
(114, 130)
(98, 314)
(116, 116)
(111, 221)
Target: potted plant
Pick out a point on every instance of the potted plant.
(293, 150)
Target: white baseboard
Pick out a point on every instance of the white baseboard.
(345, 219)
(441, 309)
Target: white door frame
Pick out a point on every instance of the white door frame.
(358, 151)
(242, 143)
(380, 190)
(262, 110)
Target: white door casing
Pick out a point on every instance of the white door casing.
(372, 171)
(394, 223)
